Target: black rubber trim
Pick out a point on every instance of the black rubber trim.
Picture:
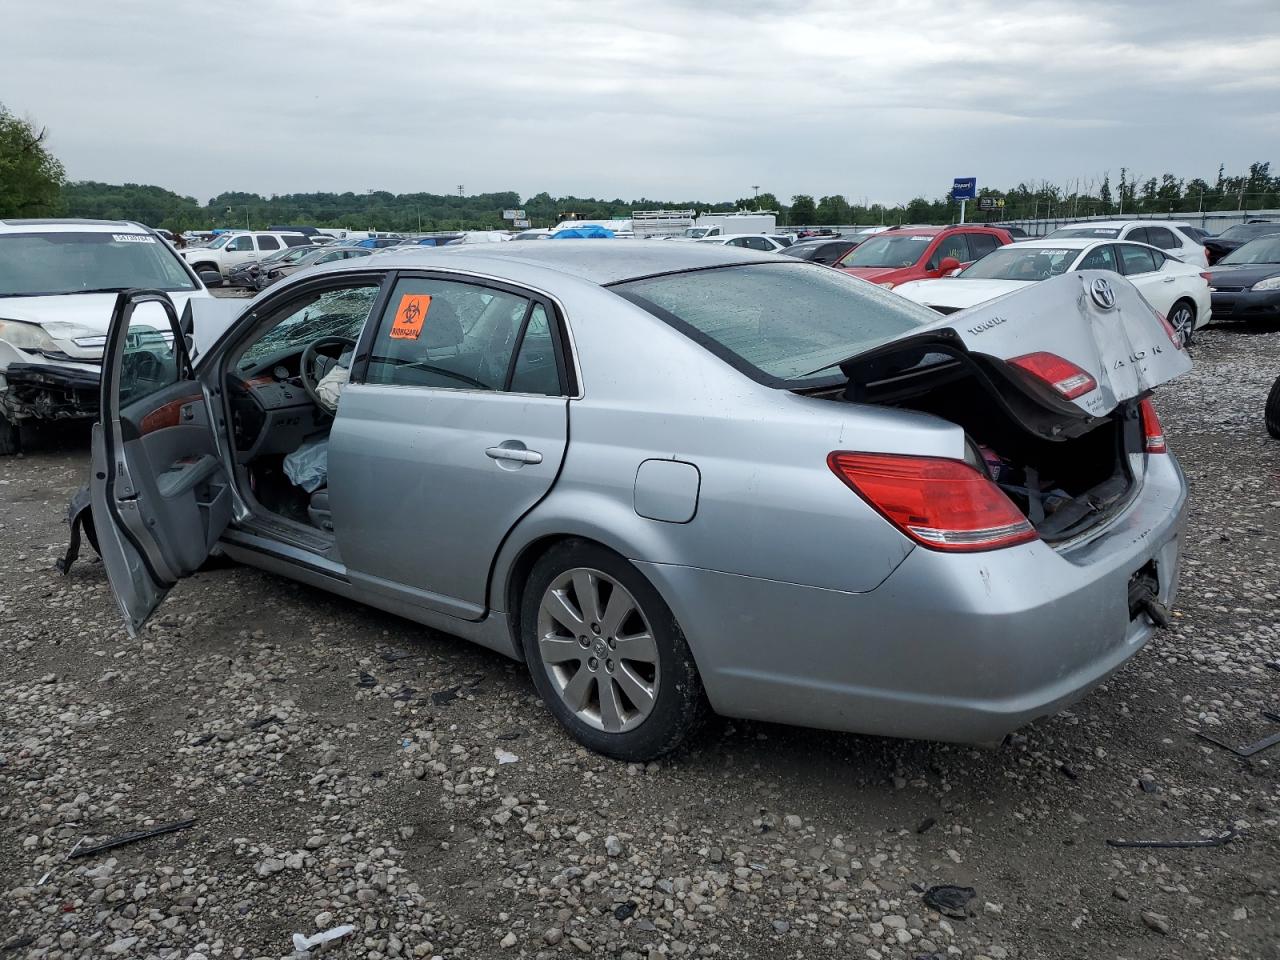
(230, 538)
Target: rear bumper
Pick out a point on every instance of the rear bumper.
(49, 391)
(1246, 305)
(950, 647)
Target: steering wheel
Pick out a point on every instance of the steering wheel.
(306, 369)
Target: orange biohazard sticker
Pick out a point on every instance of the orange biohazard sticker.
(410, 316)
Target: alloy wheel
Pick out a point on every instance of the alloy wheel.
(598, 650)
(1183, 321)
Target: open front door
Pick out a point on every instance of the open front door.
(160, 493)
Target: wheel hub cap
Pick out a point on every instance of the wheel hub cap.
(598, 650)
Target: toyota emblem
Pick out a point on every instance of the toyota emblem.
(1102, 293)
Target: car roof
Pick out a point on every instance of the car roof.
(1121, 224)
(597, 261)
(814, 241)
(68, 225)
(1063, 243)
(1076, 243)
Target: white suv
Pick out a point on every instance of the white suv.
(1174, 237)
(229, 250)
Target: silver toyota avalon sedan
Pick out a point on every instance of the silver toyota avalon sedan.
(669, 477)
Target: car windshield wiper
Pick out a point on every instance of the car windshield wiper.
(99, 290)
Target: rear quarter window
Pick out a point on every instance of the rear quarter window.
(777, 323)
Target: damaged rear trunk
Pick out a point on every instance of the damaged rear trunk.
(1066, 478)
(1050, 386)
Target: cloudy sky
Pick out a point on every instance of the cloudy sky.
(668, 99)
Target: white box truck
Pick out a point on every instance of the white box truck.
(740, 221)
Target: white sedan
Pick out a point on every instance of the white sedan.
(752, 241)
(1177, 290)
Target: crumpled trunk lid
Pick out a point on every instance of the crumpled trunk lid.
(1067, 462)
(1093, 319)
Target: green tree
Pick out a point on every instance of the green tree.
(833, 210)
(30, 176)
(803, 211)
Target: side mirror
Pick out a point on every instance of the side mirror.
(210, 278)
(947, 265)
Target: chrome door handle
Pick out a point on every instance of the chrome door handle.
(518, 454)
(1169, 279)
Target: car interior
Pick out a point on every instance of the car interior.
(285, 380)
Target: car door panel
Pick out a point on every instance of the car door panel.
(420, 503)
(442, 441)
(159, 490)
(1150, 283)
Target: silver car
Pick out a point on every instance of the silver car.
(671, 477)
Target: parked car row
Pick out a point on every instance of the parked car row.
(57, 277)
(1179, 291)
(260, 274)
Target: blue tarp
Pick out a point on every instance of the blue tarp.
(589, 232)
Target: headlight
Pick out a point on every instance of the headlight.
(42, 336)
(1271, 283)
(26, 336)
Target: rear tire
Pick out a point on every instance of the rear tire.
(606, 654)
(1272, 411)
(1182, 317)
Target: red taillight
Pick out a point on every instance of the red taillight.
(939, 503)
(1068, 380)
(1152, 430)
(1206, 276)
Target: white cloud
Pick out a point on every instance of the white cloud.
(666, 99)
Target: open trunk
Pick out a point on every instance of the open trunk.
(1047, 384)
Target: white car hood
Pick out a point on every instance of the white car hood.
(958, 292)
(89, 310)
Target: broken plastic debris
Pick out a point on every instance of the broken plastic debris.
(1221, 840)
(503, 756)
(304, 944)
(441, 697)
(950, 901)
(131, 838)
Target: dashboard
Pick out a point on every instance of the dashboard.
(270, 411)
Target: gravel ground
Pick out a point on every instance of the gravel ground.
(341, 766)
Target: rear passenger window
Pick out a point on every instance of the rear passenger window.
(441, 333)
(1162, 238)
(1100, 258)
(268, 243)
(1135, 259)
(1137, 235)
(298, 241)
(980, 244)
(535, 370)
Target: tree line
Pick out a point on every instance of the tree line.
(33, 183)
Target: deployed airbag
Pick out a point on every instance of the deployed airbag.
(308, 466)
